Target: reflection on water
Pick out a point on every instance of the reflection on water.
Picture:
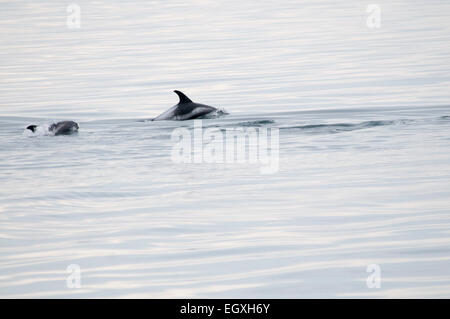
(363, 175)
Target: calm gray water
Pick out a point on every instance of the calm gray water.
(364, 159)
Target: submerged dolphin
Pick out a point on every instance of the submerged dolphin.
(60, 128)
(185, 110)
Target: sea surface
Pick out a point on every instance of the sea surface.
(359, 205)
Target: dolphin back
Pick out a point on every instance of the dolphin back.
(64, 128)
(185, 110)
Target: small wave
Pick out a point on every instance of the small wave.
(338, 127)
(404, 122)
(445, 117)
(256, 123)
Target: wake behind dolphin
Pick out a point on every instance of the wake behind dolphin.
(185, 110)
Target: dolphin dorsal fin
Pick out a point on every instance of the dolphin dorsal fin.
(183, 98)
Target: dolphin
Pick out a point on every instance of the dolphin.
(60, 128)
(185, 110)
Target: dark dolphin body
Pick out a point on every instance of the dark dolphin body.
(185, 110)
(60, 128)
